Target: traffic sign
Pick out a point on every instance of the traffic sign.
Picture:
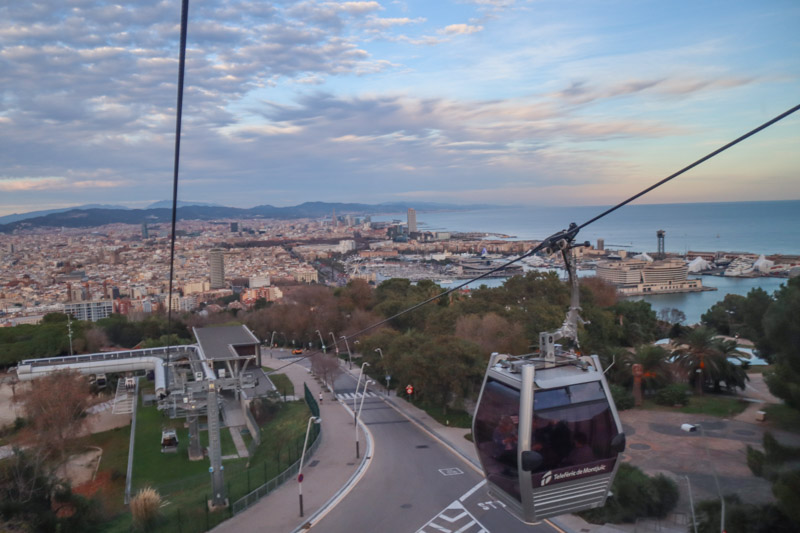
(409, 389)
(300, 478)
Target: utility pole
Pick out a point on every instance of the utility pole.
(69, 332)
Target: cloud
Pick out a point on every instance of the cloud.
(379, 23)
(30, 184)
(460, 29)
(583, 92)
(100, 184)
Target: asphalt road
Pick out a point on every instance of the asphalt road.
(414, 484)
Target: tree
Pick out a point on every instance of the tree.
(597, 291)
(31, 498)
(655, 365)
(55, 407)
(782, 339)
(326, 367)
(637, 320)
(492, 333)
(739, 315)
(707, 359)
(96, 339)
(671, 315)
(356, 295)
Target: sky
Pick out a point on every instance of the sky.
(472, 101)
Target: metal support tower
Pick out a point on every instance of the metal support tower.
(660, 254)
(218, 498)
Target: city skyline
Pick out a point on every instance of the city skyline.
(481, 101)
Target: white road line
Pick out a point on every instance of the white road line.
(454, 515)
(471, 491)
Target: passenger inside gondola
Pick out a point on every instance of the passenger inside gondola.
(505, 441)
(581, 452)
(496, 434)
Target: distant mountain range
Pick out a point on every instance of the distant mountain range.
(89, 216)
(8, 219)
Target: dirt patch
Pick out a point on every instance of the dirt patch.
(101, 483)
(81, 468)
(101, 418)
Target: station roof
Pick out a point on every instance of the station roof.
(220, 342)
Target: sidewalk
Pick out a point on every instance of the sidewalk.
(325, 473)
(757, 392)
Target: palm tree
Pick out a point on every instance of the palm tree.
(706, 358)
(732, 374)
(655, 364)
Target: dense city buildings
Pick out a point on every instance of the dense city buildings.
(124, 269)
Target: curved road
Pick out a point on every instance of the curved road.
(414, 483)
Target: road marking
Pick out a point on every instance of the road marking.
(454, 519)
(451, 471)
(350, 395)
(471, 491)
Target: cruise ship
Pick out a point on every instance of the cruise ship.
(634, 277)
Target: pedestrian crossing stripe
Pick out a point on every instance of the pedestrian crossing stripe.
(454, 519)
(351, 395)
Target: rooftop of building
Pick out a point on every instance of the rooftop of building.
(219, 342)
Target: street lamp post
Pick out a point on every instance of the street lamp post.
(271, 343)
(358, 413)
(358, 384)
(380, 352)
(349, 353)
(690, 428)
(691, 503)
(316, 420)
(321, 341)
(335, 346)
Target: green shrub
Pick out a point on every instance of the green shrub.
(636, 495)
(671, 395)
(742, 517)
(622, 397)
(755, 460)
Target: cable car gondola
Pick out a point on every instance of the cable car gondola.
(546, 429)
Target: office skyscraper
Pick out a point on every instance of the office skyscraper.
(145, 232)
(412, 220)
(216, 263)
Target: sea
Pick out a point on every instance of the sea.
(748, 227)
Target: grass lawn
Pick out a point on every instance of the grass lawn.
(453, 417)
(760, 369)
(783, 417)
(150, 466)
(226, 441)
(114, 463)
(282, 383)
(185, 485)
(281, 435)
(708, 404)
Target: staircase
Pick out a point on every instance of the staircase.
(123, 401)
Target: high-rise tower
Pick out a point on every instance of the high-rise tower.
(216, 263)
(660, 235)
(412, 220)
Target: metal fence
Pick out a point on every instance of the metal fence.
(316, 435)
(251, 498)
